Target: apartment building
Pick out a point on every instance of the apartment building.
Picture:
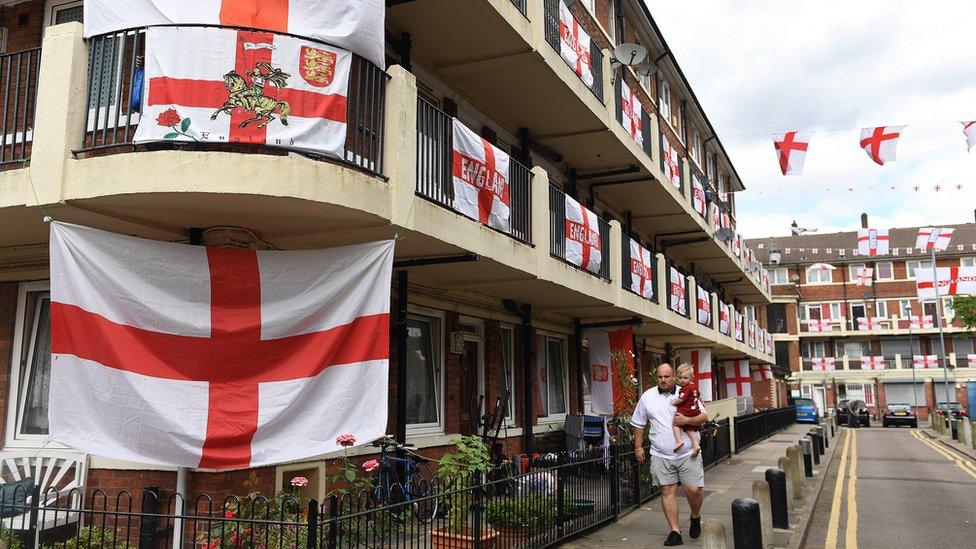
(821, 309)
(479, 312)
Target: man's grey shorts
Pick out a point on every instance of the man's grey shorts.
(687, 470)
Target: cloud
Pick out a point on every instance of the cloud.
(834, 67)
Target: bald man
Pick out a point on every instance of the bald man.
(667, 466)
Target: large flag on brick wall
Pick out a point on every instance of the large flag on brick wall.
(356, 25)
(737, 378)
(227, 86)
(480, 173)
(209, 357)
(701, 361)
(583, 242)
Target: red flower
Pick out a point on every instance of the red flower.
(228, 514)
(346, 440)
(370, 465)
(169, 118)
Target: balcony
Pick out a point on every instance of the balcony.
(18, 78)
(888, 326)
(559, 227)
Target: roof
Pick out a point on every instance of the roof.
(842, 247)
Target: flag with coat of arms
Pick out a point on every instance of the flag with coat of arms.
(641, 270)
(677, 283)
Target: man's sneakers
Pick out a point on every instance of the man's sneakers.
(695, 530)
(674, 538)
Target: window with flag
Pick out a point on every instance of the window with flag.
(551, 376)
(424, 372)
(506, 381)
(853, 270)
(884, 270)
(31, 365)
(913, 266)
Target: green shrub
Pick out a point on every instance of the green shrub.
(534, 512)
(11, 539)
(88, 536)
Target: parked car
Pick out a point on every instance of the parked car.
(806, 410)
(957, 409)
(899, 414)
(856, 414)
(840, 411)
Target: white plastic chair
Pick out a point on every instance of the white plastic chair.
(56, 473)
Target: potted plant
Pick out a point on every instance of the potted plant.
(462, 472)
(516, 518)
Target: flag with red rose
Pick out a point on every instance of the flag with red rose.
(610, 357)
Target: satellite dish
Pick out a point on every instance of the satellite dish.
(722, 206)
(630, 54)
(724, 234)
(646, 69)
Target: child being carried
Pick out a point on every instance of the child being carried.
(687, 404)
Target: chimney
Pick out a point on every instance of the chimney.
(864, 221)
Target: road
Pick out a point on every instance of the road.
(893, 488)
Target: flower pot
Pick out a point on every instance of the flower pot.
(442, 538)
(511, 536)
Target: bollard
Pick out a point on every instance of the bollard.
(778, 499)
(786, 465)
(957, 429)
(713, 535)
(822, 432)
(746, 525)
(760, 492)
(795, 455)
(831, 430)
(814, 450)
(967, 431)
(807, 446)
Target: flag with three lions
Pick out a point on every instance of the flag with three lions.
(249, 87)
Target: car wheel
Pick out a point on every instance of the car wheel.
(884, 424)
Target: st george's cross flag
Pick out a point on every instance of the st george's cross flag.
(869, 324)
(761, 372)
(583, 243)
(574, 44)
(704, 299)
(971, 360)
(737, 318)
(819, 325)
(920, 322)
(872, 363)
(631, 113)
(769, 343)
(752, 333)
(872, 242)
(229, 86)
(881, 143)
(737, 378)
(701, 361)
(824, 364)
(723, 318)
(736, 244)
(355, 25)
(671, 164)
(952, 281)
(676, 289)
(791, 151)
(864, 276)
(969, 129)
(922, 362)
(641, 270)
(480, 174)
(698, 201)
(220, 358)
(933, 238)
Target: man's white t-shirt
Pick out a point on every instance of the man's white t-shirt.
(654, 408)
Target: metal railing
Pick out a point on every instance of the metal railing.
(551, 13)
(522, 6)
(435, 145)
(18, 75)
(114, 105)
(627, 270)
(752, 428)
(557, 232)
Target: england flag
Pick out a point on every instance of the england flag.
(480, 175)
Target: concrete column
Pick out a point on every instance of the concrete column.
(760, 492)
(794, 454)
(786, 464)
(713, 535)
(662, 280)
(692, 300)
(61, 108)
(616, 265)
(400, 161)
(540, 215)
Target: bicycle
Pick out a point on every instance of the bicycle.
(417, 489)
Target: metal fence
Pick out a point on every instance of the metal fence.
(552, 30)
(521, 5)
(557, 231)
(18, 75)
(435, 145)
(752, 428)
(115, 103)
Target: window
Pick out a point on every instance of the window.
(913, 265)
(962, 346)
(881, 309)
(664, 99)
(814, 349)
(904, 308)
(902, 346)
(424, 371)
(506, 381)
(31, 371)
(779, 275)
(853, 268)
(968, 262)
(853, 349)
(819, 276)
(948, 310)
(696, 145)
(776, 315)
(551, 375)
(858, 391)
(935, 347)
(884, 270)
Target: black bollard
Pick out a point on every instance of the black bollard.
(776, 478)
(746, 525)
(822, 431)
(807, 447)
(814, 450)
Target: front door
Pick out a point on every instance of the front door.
(472, 385)
(818, 398)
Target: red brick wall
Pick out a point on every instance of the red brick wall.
(24, 23)
(8, 312)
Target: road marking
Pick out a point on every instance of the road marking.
(850, 541)
(968, 468)
(838, 493)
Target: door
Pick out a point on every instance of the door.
(472, 385)
(818, 398)
(857, 311)
(971, 390)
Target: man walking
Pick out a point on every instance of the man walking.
(667, 466)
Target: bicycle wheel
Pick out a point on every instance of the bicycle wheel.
(423, 490)
(389, 492)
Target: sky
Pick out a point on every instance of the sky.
(761, 67)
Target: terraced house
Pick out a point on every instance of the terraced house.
(622, 154)
(869, 334)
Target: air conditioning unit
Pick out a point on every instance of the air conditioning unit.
(743, 405)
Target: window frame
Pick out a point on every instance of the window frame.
(50, 12)
(664, 98)
(852, 270)
(695, 147)
(878, 306)
(902, 305)
(438, 345)
(967, 261)
(564, 341)
(510, 330)
(877, 270)
(809, 346)
(919, 264)
(773, 278)
(830, 276)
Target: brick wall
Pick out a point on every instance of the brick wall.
(8, 312)
(24, 23)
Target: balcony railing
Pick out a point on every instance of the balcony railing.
(557, 232)
(435, 145)
(627, 270)
(521, 5)
(551, 9)
(18, 76)
(683, 281)
(645, 117)
(113, 113)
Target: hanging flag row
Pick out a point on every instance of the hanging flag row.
(879, 143)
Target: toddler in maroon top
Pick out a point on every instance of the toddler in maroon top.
(688, 405)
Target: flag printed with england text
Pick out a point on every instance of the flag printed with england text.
(219, 358)
(738, 325)
(354, 25)
(698, 200)
(583, 242)
(480, 173)
(701, 361)
(677, 292)
(951, 281)
(671, 163)
(574, 45)
(704, 306)
(641, 270)
(227, 86)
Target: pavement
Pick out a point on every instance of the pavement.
(892, 488)
(729, 480)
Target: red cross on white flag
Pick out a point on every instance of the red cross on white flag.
(701, 361)
(872, 242)
(864, 276)
(641, 270)
(480, 173)
(671, 163)
(704, 306)
(952, 281)
(865, 323)
(971, 359)
(752, 334)
(737, 317)
(969, 129)
(936, 238)
(723, 318)
(677, 292)
(761, 372)
(872, 363)
(769, 343)
(922, 362)
(881, 143)
(791, 150)
(228, 86)
(920, 323)
(189, 356)
(736, 243)
(698, 200)
(819, 325)
(583, 243)
(737, 378)
(824, 364)
(574, 45)
(631, 113)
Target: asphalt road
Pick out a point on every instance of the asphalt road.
(893, 488)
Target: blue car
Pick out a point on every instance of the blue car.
(806, 410)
